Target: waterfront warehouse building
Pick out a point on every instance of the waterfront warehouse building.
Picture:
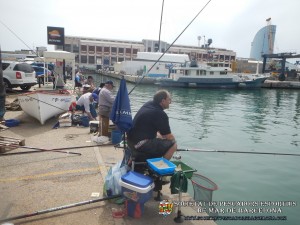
(91, 52)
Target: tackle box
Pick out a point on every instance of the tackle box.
(136, 187)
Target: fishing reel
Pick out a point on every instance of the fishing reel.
(176, 156)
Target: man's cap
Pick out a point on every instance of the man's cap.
(95, 97)
(110, 82)
(86, 86)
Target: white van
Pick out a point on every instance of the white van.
(18, 74)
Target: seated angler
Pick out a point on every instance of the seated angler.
(150, 136)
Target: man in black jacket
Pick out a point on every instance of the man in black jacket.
(150, 135)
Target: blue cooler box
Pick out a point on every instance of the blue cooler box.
(136, 187)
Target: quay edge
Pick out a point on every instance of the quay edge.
(272, 84)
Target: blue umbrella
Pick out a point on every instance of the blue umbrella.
(121, 111)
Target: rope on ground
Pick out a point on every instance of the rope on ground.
(13, 106)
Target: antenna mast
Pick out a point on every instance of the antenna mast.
(162, 10)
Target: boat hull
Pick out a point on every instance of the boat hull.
(212, 83)
(43, 105)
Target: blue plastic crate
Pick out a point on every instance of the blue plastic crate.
(162, 171)
(12, 123)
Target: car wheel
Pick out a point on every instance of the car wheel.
(6, 84)
(25, 88)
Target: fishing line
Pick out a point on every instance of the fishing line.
(18, 37)
(48, 104)
(239, 152)
(169, 47)
(24, 43)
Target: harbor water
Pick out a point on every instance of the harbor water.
(262, 120)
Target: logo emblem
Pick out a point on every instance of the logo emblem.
(165, 208)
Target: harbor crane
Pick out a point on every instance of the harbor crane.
(283, 56)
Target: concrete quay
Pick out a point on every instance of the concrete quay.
(275, 84)
(39, 181)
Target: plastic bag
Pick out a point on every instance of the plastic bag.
(112, 180)
(101, 139)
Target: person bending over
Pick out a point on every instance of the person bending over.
(150, 135)
(85, 104)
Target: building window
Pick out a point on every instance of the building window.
(121, 50)
(149, 49)
(120, 59)
(114, 50)
(83, 48)
(98, 49)
(83, 59)
(99, 60)
(113, 60)
(75, 49)
(91, 60)
(134, 51)
(68, 47)
(106, 49)
(128, 50)
(91, 49)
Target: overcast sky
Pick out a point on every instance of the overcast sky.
(231, 24)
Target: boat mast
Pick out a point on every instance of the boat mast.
(161, 15)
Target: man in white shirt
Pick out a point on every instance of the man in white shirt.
(85, 103)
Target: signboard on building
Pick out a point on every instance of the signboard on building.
(56, 35)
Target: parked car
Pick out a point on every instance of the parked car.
(41, 64)
(39, 73)
(18, 74)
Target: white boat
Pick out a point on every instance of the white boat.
(43, 105)
(145, 60)
(205, 76)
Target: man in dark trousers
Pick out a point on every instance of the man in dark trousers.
(150, 135)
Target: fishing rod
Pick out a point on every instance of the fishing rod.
(58, 208)
(19, 153)
(51, 150)
(39, 149)
(83, 146)
(169, 47)
(239, 152)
